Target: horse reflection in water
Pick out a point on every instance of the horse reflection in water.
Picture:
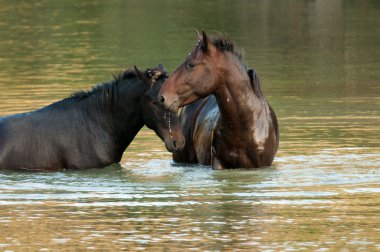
(89, 129)
(229, 122)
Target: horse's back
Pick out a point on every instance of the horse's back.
(24, 144)
(198, 121)
(45, 140)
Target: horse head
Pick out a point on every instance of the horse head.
(164, 122)
(199, 74)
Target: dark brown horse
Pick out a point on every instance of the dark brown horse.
(234, 126)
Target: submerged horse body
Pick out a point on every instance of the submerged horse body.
(89, 129)
(227, 121)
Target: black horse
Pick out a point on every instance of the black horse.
(89, 129)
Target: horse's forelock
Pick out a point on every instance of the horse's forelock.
(156, 74)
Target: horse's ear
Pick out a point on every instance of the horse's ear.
(206, 45)
(162, 69)
(139, 74)
(198, 35)
(204, 42)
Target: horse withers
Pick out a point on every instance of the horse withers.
(90, 129)
(229, 122)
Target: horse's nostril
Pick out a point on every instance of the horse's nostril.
(174, 143)
(162, 99)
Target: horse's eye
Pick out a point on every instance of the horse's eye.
(190, 65)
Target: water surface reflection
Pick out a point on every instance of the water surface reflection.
(159, 205)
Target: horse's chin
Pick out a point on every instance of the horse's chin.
(174, 145)
(170, 147)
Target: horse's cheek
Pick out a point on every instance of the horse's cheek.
(188, 79)
(206, 83)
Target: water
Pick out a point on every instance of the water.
(319, 62)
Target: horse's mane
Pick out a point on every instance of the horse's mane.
(225, 44)
(104, 94)
(255, 82)
(106, 89)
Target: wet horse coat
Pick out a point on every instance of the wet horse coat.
(229, 122)
(89, 129)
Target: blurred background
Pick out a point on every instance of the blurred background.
(319, 63)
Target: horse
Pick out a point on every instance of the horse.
(227, 121)
(89, 129)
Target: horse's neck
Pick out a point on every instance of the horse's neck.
(126, 118)
(240, 107)
(119, 118)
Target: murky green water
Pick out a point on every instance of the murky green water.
(319, 62)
